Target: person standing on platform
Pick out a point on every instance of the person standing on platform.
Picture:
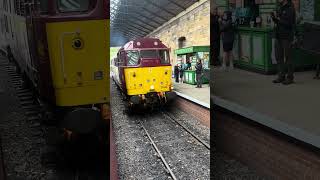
(227, 31)
(199, 71)
(176, 73)
(215, 26)
(188, 64)
(284, 34)
(181, 71)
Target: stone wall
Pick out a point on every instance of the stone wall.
(193, 24)
(267, 151)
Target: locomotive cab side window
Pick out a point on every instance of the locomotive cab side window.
(133, 58)
(164, 56)
(73, 5)
(148, 54)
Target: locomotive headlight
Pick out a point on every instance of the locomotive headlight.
(98, 75)
(77, 43)
(152, 87)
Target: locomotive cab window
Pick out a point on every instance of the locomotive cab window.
(164, 56)
(133, 58)
(148, 54)
(73, 5)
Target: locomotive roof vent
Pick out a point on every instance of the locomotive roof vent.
(138, 43)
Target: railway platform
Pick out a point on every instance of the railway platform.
(269, 124)
(197, 95)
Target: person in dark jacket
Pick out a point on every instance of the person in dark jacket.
(284, 34)
(199, 70)
(227, 31)
(181, 71)
(188, 64)
(215, 34)
(176, 73)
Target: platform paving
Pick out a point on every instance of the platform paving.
(190, 92)
(292, 110)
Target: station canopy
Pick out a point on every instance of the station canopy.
(131, 19)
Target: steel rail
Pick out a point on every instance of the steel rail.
(159, 153)
(186, 129)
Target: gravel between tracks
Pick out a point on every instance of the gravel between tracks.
(189, 158)
(21, 138)
(136, 157)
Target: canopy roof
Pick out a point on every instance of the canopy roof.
(131, 19)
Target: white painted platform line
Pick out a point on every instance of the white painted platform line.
(272, 123)
(193, 100)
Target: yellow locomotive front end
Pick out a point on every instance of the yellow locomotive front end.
(149, 86)
(78, 48)
(146, 80)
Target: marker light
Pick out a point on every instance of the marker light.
(156, 43)
(152, 87)
(138, 43)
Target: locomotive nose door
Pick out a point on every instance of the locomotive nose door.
(78, 44)
(70, 46)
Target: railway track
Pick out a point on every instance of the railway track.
(32, 107)
(163, 147)
(2, 165)
(187, 130)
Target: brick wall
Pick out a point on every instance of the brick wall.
(260, 148)
(200, 113)
(193, 24)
